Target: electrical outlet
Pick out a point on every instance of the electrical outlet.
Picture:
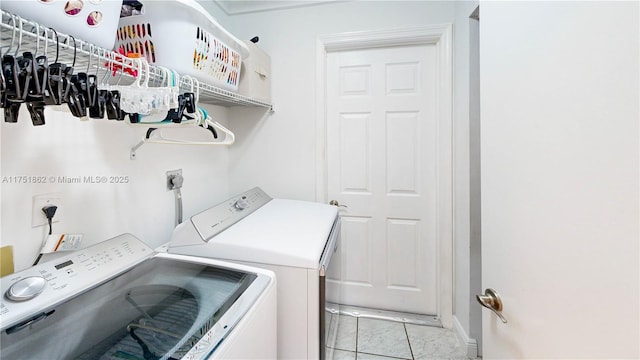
(170, 175)
(39, 201)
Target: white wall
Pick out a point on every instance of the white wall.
(66, 146)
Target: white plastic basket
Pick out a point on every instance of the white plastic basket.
(181, 35)
(94, 21)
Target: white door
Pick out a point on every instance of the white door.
(381, 154)
(560, 184)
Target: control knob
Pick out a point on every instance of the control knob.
(241, 203)
(26, 289)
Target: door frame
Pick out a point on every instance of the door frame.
(441, 37)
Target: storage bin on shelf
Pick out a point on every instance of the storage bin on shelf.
(94, 21)
(255, 78)
(181, 35)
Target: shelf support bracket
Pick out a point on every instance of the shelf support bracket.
(132, 154)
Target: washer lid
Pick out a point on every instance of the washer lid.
(167, 306)
(281, 232)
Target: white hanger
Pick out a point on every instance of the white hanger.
(165, 98)
(157, 136)
(136, 98)
(204, 121)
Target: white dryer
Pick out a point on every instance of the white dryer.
(119, 299)
(298, 240)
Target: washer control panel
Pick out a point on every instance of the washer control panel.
(213, 221)
(31, 291)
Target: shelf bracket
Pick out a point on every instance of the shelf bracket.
(132, 154)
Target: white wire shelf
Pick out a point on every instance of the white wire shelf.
(18, 35)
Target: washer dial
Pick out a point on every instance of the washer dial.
(26, 289)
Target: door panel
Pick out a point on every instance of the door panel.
(402, 245)
(358, 269)
(403, 154)
(381, 153)
(560, 178)
(355, 139)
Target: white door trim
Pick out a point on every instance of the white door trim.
(440, 36)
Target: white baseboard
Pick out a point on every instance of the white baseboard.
(471, 344)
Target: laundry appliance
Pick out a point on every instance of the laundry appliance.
(298, 240)
(119, 299)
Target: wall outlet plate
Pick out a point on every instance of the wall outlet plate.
(39, 201)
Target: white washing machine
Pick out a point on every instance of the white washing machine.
(119, 299)
(298, 240)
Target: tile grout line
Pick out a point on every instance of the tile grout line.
(357, 331)
(404, 325)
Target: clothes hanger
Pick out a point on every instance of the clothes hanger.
(38, 82)
(88, 86)
(212, 126)
(13, 94)
(44, 71)
(99, 97)
(24, 66)
(169, 98)
(41, 71)
(82, 84)
(10, 82)
(19, 19)
(57, 76)
(205, 122)
(13, 33)
(164, 94)
(157, 135)
(74, 93)
(69, 86)
(34, 87)
(112, 106)
(187, 102)
(136, 98)
(164, 97)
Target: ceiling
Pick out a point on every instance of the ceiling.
(235, 7)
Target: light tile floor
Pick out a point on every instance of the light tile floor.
(373, 339)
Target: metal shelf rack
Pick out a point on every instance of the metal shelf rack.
(18, 34)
